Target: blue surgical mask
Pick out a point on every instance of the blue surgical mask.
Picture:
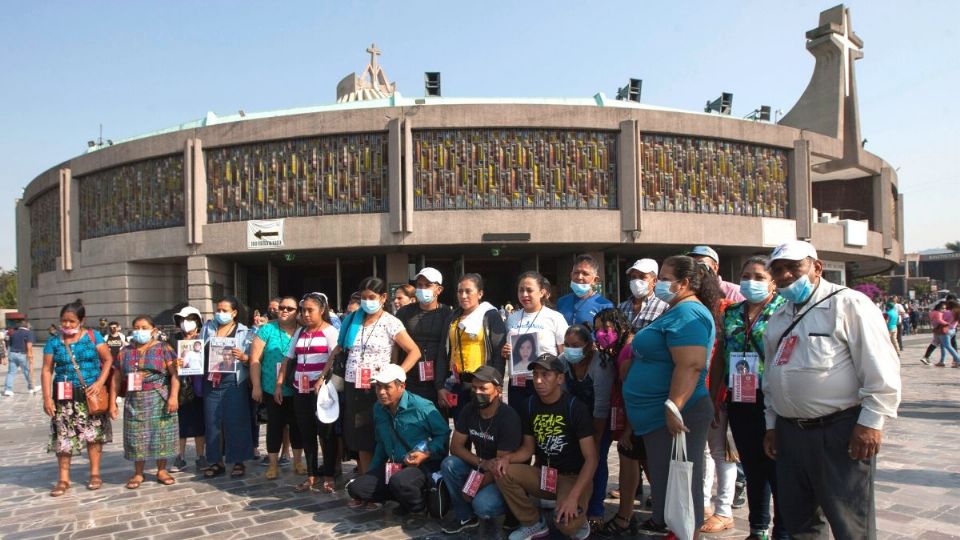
(370, 306)
(663, 292)
(424, 296)
(580, 289)
(223, 318)
(799, 291)
(573, 355)
(142, 336)
(754, 291)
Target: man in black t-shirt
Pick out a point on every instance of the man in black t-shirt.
(115, 339)
(426, 320)
(558, 430)
(486, 429)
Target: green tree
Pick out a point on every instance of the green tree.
(953, 246)
(8, 288)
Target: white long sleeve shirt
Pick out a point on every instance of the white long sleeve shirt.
(842, 357)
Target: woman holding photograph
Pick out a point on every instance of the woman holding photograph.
(226, 404)
(147, 368)
(190, 413)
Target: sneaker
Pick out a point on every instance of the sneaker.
(35, 389)
(264, 461)
(938, 364)
(202, 463)
(740, 496)
(455, 525)
(583, 532)
(8, 393)
(178, 464)
(925, 360)
(651, 527)
(537, 530)
(283, 461)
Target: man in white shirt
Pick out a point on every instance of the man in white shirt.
(832, 380)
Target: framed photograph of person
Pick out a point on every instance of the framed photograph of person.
(190, 357)
(744, 376)
(524, 349)
(221, 355)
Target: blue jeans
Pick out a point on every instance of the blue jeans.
(487, 504)
(226, 417)
(18, 360)
(944, 340)
(595, 508)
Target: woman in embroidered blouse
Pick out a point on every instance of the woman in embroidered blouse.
(370, 334)
(71, 424)
(147, 368)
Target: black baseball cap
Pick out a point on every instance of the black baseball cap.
(488, 374)
(548, 361)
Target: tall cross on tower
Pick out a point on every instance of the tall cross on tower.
(847, 45)
(374, 52)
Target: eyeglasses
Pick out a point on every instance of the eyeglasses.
(286, 309)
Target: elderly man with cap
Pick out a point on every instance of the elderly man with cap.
(643, 307)
(831, 380)
(707, 255)
(425, 321)
(558, 431)
(411, 437)
(485, 430)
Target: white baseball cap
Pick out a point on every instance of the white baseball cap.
(187, 311)
(328, 404)
(645, 266)
(794, 250)
(432, 274)
(390, 373)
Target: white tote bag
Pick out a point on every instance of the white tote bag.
(678, 510)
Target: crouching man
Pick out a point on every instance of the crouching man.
(558, 430)
(411, 441)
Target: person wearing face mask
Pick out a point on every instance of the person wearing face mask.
(830, 380)
(226, 403)
(147, 368)
(583, 303)
(405, 295)
(370, 336)
(485, 430)
(643, 306)
(190, 414)
(75, 353)
(708, 256)
(589, 378)
(425, 321)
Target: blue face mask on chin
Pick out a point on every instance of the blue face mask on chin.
(799, 291)
(754, 291)
(580, 289)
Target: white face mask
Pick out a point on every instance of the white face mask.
(188, 326)
(639, 287)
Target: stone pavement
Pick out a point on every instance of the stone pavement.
(918, 484)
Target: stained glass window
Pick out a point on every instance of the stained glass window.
(332, 174)
(514, 168)
(684, 174)
(133, 197)
(44, 234)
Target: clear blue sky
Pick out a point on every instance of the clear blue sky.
(140, 66)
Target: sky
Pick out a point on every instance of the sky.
(136, 67)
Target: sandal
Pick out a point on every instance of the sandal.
(165, 479)
(95, 482)
(329, 486)
(614, 527)
(133, 483)
(717, 524)
(307, 485)
(356, 504)
(61, 488)
(214, 470)
(239, 469)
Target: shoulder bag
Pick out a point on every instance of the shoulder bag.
(97, 402)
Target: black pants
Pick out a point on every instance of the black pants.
(816, 479)
(279, 417)
(748, 425)
(305, 410)
(406, 487)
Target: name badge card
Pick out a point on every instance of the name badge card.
(616, 418)
(64, 391)
(304, 385)
(392, 469)
(363, 379)
(786, 350)
(472, 485)
(426, 370)
(519, 380)
(745, 388)
(548, 479)
(135, 381)
(453, 398)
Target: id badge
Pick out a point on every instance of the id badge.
(518, 380)
(548, 479)
(735, 359)
(616, 418)
(453, 398)
(64, 391)
(304, 385)
(783, 354)
(745, 388)
(135, 381)
(426, 370)
(363, 379)
(391, 469)
(472, 485)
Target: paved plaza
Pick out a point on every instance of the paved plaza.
(918, 484)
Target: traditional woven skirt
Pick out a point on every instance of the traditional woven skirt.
(149, 432)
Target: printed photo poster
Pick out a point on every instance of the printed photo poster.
(524, 349)
(190, 357)
(221, 355)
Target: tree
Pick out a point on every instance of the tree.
(953, 246)
(8, 288)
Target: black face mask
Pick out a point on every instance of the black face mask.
(482, 400)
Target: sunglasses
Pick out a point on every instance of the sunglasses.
(286, 309)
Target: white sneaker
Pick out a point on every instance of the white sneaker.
(537, 530)
(8, 392)
(583, 533)
(35, 389)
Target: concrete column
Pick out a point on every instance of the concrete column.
(188, 190)
(799, 188)
(198, 177)
(900, 219)
(66, 220)
(409, 204)
(395, 177)
(207, 278)
(628, 174)
(883, 196)
(24, 275)
(397, 269)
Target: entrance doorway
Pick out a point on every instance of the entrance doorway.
(499, 278)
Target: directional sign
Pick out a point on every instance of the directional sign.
(265, 234)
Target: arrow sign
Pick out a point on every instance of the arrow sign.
(267, 234)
